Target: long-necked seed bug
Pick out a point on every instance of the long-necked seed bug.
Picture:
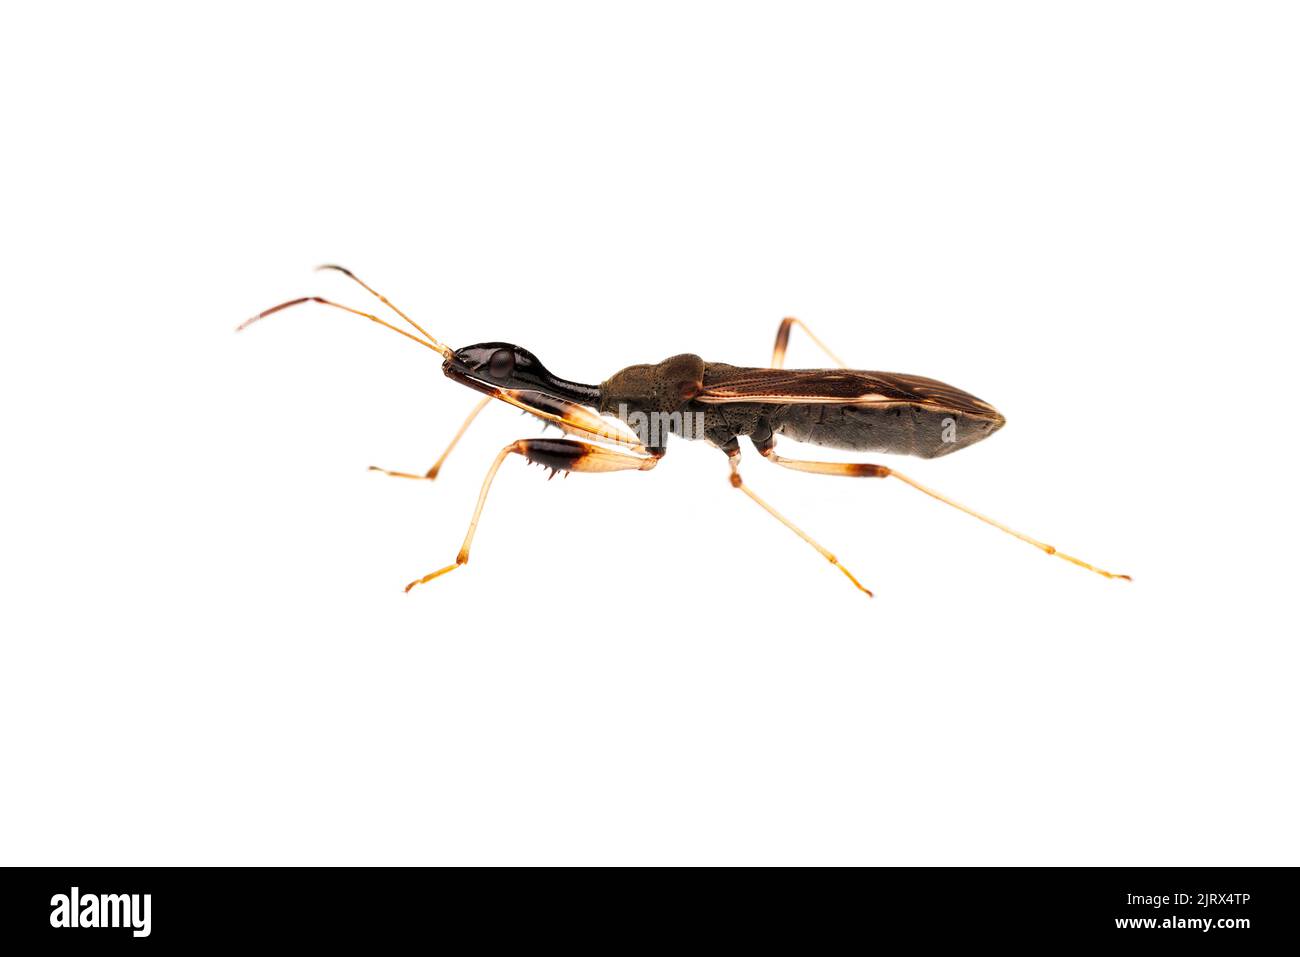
(624, 422)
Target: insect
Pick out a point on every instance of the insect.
(624, 422)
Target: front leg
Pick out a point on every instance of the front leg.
(437, 466)
(569, 417)
(559, 455)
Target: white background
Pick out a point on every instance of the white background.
(1083, 213)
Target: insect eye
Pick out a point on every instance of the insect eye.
(502, 364)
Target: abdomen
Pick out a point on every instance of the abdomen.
(900, 429)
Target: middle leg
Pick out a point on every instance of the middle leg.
(559, 455)
(733, 459)
(783, 340)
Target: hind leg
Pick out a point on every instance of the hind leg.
(866, 470)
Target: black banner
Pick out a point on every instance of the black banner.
(93, 907)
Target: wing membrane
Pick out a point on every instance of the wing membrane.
(836, 387)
